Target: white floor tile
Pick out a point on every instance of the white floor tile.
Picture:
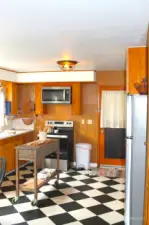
(11, 219)
(4, 202)
(117, 195)
(120, 180)
(80, 177)
(88, 202)
(63, 175)
(97, 185)
(23, 172)
(7, 183)
(52, 210)
(52, 182)
(14, 177)
(47, 188)
(93, 193)
(41, 221)
(119, 187)
(101, 179)
(27, 206)
(41, 196)
(75, 183)
(11, 194)
(74, 223)
(115, 205)
(62, 199)
(69, 191)
(81, 214)
(112, 217)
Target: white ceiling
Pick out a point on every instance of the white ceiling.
(34, 34)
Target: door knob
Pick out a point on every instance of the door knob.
(101, 131)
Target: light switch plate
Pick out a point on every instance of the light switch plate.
(89, 121)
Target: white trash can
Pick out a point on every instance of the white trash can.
(83, 152)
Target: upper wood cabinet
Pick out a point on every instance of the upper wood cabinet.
(136, 67)
(11, 92)
(76, 99)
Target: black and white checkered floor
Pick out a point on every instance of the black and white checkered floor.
(79, 200)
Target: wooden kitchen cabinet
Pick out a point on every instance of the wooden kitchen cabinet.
(136, 67)
(7, 148)
(76, 98)
(12, 96)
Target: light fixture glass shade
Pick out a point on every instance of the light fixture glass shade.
(67, 65)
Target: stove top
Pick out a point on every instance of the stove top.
(60, 123)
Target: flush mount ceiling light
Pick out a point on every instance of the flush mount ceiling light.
(67, 65)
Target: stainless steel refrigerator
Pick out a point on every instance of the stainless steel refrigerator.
(136, 123)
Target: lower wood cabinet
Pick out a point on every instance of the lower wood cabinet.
(7, 148)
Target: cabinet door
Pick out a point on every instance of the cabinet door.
(12, 96)
(8, 151)
(136, 67)
(76, 99)
(38, 99)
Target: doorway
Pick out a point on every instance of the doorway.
(112, 138)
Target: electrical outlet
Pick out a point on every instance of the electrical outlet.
(89, 121)
(82, 121)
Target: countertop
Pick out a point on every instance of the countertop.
(4, 134)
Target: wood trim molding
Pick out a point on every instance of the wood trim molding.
(9, 70)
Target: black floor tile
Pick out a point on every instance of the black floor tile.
(78, 196)
(45, 203)
(24, 223)
(122, 200)
(63, 185)
(107, 190)
(88, 181)
(63, 218)
(84, 188)
(7, 210)
(32, 214)
(74, 173)
(121, 211)
(21, 181)
(110, 182)
(8, 188)
(104, 198)
(52, 194)
(99, 209)
(27, 175)
(68, 179)
(71, 206)
(94, 221)
(120, 223)
(2, 196)
(22, 199)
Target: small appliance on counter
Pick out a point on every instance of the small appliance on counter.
(64, 131)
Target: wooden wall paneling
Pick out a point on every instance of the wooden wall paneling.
(146, 197)
(76, 99)
(136, 67)
(101, 158)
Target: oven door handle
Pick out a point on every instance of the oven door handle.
(57, 136)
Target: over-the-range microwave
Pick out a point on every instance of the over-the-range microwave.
(56, 95)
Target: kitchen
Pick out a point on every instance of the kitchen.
(82, 198)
